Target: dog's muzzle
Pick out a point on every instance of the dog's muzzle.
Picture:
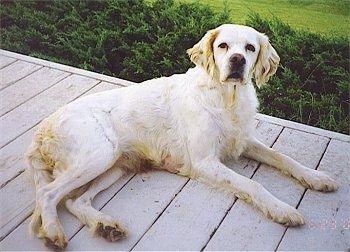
(236, 66)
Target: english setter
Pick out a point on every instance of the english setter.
(185, 124)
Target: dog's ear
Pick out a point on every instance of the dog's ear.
(202, 53)
(267, 62)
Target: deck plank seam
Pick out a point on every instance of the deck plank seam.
(11, 179)
(9, 63)
(305, 190)
(260, 164)
(36, 124)
(104, 204)
(33, 126)
(160, 214)
(15, 227)
(271, 145)
(13, 82)
(303, 127)
(132, 175)
(235, 199)
(36, 94)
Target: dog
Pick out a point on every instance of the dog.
(185, 124)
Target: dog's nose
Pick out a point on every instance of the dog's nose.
(237, 64)
(237, 60)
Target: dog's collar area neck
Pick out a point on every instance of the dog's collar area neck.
(234, 83)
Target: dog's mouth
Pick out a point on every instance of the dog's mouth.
(235, 78)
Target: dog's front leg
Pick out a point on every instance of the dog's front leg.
(309, 178)
(215, 173)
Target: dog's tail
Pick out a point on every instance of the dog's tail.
(40, 169)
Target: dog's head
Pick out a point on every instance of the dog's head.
(235, 54)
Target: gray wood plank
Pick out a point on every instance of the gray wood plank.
(5, 61)
(19, 240)
(189, 221)
(12, 157)
(246, 228)
(66, 68)
(327, 214)
(136, 207)
(16, 71)
(303, 127)
(103, 86)
(267, 132)
(17, 203)
(29, 87)
(30, 113)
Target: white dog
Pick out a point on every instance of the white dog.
(185, 123)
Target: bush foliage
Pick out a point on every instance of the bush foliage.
(312, 84)
(135, 40)
(138, 40)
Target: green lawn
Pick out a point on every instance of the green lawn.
(329, 17)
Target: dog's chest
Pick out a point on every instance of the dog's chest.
(233, 132)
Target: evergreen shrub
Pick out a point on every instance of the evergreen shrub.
(138, 40)
(312, 83)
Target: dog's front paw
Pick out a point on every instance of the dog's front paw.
(285, 215)
(317, 180)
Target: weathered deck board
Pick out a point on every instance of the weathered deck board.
(12, 157)
(255, 224)
(20, 241)
(16, 71)
(327, 215)
(189, 221)
(17, 203)
(163, 211)
(33, 111)
(26, 88)
(137, 206)
(5, 61)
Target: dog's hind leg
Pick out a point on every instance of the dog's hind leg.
(99, 223)
(78, 173)
(36, 167)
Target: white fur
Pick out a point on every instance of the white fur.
(185, 123)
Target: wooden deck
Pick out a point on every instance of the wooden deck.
(163, 211)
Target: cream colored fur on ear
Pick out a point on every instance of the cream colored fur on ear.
(201, 54)
(267, 62)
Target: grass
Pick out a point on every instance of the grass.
(331, 18)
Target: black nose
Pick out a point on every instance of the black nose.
(237, 63)
(237, 60)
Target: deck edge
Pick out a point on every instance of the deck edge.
(66, 68)
(304, 127)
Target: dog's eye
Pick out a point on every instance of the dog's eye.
(250, 47)
(223, 46)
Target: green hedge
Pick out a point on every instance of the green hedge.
(312, 83)
(135, 40)
(138, 40)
